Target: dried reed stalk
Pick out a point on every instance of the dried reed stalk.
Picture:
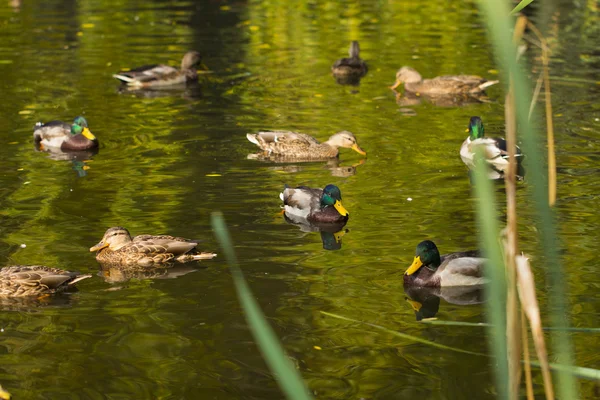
(549, 121)
(529, 302)
(526, 361)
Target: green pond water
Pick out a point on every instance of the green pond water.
(166, 162)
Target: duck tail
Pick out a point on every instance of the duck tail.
(195, 257)
(252, 138)
(281, 195)
(486, 85)
(124, 78)
(79, 278)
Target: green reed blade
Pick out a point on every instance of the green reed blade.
(289, 380)
(520, 6)
(494, 271)
(496, 14)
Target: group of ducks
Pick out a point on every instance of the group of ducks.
(302, 205)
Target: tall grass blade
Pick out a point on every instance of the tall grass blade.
(404, 335)
(494, 270)
(520, 6)
(496, 16)
(287, 377)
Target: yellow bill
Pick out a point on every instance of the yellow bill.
(99, 246)
(396, 84)
(358, 149)
(340, 208)
(86, 132)
(415, 266)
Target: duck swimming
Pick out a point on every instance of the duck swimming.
(300, 146)
(349, 70)
(118, 247)
(442, 85)
(314, 205)
(429, 269)
(64, 137)
(36, 280)
(495, 149)
(155, 76)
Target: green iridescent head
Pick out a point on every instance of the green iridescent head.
(332, 196)
(80, 126)
(427, 255)
(475, 128)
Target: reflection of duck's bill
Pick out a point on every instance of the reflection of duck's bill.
(414, 266)
(340, 208)
(415, 304)
(338, 235)
(99, 246)
(358, 149)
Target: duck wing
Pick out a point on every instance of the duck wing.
(286, 137)
(149, 244)
(302, 197)
(449, 84)
(148, 73)
(50, 130)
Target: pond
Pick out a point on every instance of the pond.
(167, 160)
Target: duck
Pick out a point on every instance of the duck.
(58, 135)
(154, 76)
(442, 85)
(118, 247)
(352, 68)
(36, 280)
(495, 150)
(292, 145)
(314, 205)
(429, 269)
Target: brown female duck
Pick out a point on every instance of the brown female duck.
(153, 76)
(35, 280)
(291, 145)
(118, 247)
(441, 85)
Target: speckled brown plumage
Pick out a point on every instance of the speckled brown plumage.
(35, 280)
(292, 145)
(441, 85)
(118, 247)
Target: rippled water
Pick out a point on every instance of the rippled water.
(166, 162)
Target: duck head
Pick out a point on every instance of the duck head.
(114, 238)
(426, 255)
(332, 196)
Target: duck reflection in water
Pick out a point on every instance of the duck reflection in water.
(331, 234)
(116, 273)
(350, 70)
(334, 166)
(425, 301)
(79, 159)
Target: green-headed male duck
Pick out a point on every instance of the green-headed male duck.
(429, 269)
(60, 135)
(314, 205)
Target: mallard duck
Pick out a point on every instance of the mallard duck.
(293, 145)
(441, 85)
(351, 67)
(35, 280)
(455, 269)
(154, 76)
(118, 247)
(60, 135)
(314, 205)
(495, 149)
